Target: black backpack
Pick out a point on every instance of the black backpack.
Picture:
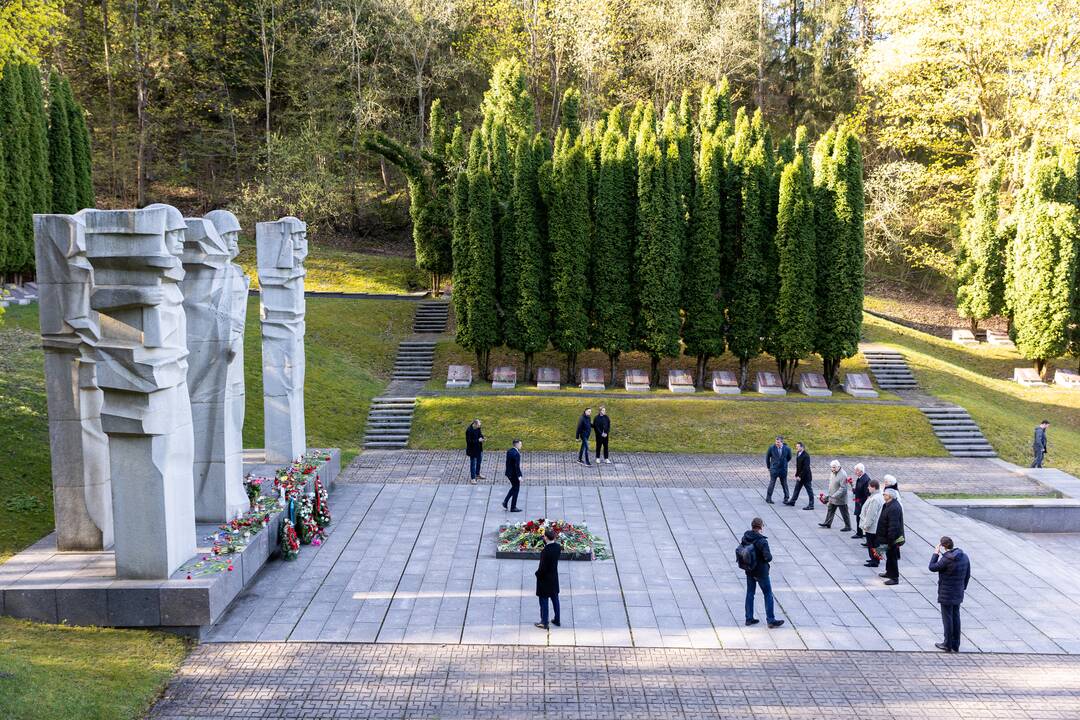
(746, 556)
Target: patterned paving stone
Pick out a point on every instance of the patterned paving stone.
(334, 680)
(443, 467)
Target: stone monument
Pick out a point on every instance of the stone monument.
(142, 369)
(215, 338)
(82, 499)
(282, 247)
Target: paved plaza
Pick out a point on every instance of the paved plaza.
(318, 680)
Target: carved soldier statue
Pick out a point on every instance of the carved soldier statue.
(82, 502)
(142, 369)
(212, 339)
(282, 247)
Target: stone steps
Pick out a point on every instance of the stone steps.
(958, 433)
(431, 317)
(389, 422)
(890, 369)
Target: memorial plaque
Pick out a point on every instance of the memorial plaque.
(458, 376)
(680, 381)
(725, 382)
(999, 339)
(1027, 377)
(636, 379)
(592, 379)
(1067, 379)
(504, 378)
(814, 385)
(768, 383)
(859, 385)
(964, 337)
(548, 378)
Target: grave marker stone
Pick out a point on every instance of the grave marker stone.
(548, 378)
(459, 376)
(768, 383)
(724, 382)
(814, 385)
(1028, 377)
(504, 377)
(999, 339)
(963, 336)
(680, 381)
(592, 379)
(859, 385)
(1067, 378)
(636, 380)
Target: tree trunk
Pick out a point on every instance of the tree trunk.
(140, 112)
(974, 325)
(571, 368)
(1040, 365)
(744, 372)
(831, 367)
(654, 370)
(760, 91)
(787, 371)
(702, 364)
(109, 94)
(528, 374)
(613, 366)
(793, 39)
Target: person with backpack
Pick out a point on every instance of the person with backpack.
(753, 557)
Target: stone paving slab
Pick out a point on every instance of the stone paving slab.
(336, 680)
(416, 564)
(926, 475)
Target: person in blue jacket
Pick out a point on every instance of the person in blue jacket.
(777, 458)
(954, 572)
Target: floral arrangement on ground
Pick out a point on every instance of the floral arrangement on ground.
(526, 540)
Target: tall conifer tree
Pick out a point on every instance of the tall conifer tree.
(568, 224)
(61, 166)
(531, 329)
(40, 185)
(14, 134)
(459, 236)
(481, 300)
(745, 315)
(980, 291)
(795, 312)
(81, 160)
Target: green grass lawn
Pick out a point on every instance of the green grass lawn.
(979, 380)
(679, 425)
(53, 671)
(333, 270)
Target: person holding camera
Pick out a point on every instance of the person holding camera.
(954, 572)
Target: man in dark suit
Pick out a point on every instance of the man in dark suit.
(1039, 445)
(954, 572)
(513, 474)
(804, 477)
(547, 580)
(602, 426)
(862, 491)
(474, 450)
(584, 429)
(777, 458)
(890, 533)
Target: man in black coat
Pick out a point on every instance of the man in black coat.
(759, 575)
(777, 458)
(954, 571)
(602, 426)
(474, 450)
(804, 477)
(1038, 446)
(862, 491)
(890, 533)
(547, 579)
(513, 474)
(584, 429)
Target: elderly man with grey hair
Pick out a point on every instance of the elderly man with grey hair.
(836, 498)
(890, 534)
(861, 492)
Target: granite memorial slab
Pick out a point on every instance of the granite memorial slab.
(142, 366)
(504, 378)
(70, 328)
(281, 248)
(768, 383)
(859, 385)
(724, 382)
(999, 339)
(814, 385)
(548, 378)
(592, 379)
(636, 380)
(459, 376)
(1067, 378)
(680, 381)
(963, 336)
(1028, 377)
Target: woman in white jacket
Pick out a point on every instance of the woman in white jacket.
(871, 511)
(837, 496)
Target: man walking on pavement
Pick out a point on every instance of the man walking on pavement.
(754, 556)
(1039, 445)
(777, 458)
(513, 474)
(804, 477)
(584, 429)
(837, 497)
(602, 426)
(474, 450)
(954, 572)
(547, 579)
(862, 491)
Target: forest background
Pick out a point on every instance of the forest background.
(262, 105)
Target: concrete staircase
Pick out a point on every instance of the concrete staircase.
(413, 361)
(890, 369)
(956, 430)
(431, 317)
(388, 423)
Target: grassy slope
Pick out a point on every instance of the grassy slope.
(978, 379)
(332, 270)
(52, 671)
(660, 425)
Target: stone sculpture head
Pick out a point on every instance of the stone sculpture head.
(298, 235)
(64, 272)
(175, 227)
(228, 228)
(203, 245)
